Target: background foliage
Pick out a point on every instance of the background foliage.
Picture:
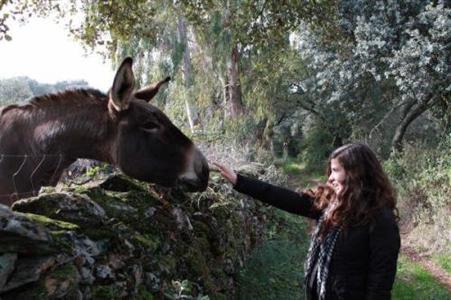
(269, 81)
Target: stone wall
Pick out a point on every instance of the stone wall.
(116, 238)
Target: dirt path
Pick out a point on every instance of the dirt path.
(436, 271)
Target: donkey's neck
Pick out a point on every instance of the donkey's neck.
(83, 132)
(49, 134)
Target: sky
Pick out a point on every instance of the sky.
(43, 51)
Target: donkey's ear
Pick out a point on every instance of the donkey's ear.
(148, 93)
(123, 85)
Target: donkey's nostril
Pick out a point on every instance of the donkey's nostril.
(206, 171)
(202, 169)
(196, 175)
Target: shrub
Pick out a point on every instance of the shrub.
(317, 147)
(423, 180)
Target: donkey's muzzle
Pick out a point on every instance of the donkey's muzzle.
(195, 178)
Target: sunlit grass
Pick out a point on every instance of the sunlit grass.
(299, 173)
(413, 282)
(292, 167)
(444, 261)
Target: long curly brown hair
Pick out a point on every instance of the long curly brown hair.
(366, 189)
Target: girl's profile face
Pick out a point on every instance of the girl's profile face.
(337, 176)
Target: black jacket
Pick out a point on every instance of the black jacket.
(363, 264)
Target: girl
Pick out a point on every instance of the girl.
(355, 245)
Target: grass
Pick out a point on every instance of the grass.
(300, 175)
(444, 261)
(275, 271)
(275, 268)
(413, 282)
(292, 167)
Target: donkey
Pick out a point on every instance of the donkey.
(42, 138)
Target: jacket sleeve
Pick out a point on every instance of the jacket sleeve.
(384, 242)
(285, 199)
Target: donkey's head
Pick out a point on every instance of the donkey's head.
(148, 146)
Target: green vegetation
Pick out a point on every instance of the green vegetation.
(300, 176)
(444, 261)
(291, 166)
(105, 292)
(316, 148)
(413, 282)
(283, 84)
(19, 89)
(51, 223)
(67, 271)
(275, 268)
(143, 294)
(423, 181)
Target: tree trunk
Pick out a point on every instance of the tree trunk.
(187, 71)
(182, 36)
(235, 102)
(408, 117)
(268, 134)
(224, 89)
(337, 141)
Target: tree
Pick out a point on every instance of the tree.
(18, 90)
(21, 10)
(240, 28)
(14, 90)
(395, 61)
(421, 67)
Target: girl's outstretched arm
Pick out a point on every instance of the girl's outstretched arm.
(285, 199)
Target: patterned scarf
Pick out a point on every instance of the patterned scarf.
(320, 252)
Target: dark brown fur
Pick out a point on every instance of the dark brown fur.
(39, 140)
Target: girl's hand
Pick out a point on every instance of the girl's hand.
(227, 173)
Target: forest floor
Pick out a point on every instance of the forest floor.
(417, 274)
(430, 266)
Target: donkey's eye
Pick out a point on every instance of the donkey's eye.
(150, 126)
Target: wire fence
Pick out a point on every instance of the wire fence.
(25, 157)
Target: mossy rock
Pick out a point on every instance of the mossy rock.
(103, 232)
(122, 183)
(19, 234)
(169, 233)
(35, 291)
(144, 294)
(69, 207)
(60, 283)
(128, 207)
(150, 243)
(218, 296)
(51, 224)
(112, 203)
(105, 292)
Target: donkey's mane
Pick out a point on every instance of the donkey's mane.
(70, 96)
(67, 98)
